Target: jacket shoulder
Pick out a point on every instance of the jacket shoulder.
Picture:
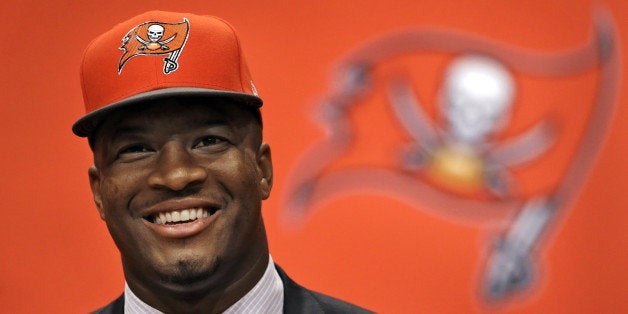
(298, 299)
(115, 307)
(332, 305)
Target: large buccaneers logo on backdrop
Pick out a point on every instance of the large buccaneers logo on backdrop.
(493, 137)
(155, 39)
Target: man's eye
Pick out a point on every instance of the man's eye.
(134, 149)
(208, 141)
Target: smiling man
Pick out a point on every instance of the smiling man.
(180, 170)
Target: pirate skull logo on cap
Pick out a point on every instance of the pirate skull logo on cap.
(155, 38)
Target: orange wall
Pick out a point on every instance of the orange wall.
(56, 255)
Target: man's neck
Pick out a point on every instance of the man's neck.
(212, 296)
(266, 297)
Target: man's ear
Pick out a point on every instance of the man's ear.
(265, 168)
(94, 183)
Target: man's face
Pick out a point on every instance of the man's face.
(180, 184)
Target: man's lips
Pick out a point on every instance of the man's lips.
(180, 218)
(180, 215)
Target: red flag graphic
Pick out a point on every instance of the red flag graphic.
(155, 38)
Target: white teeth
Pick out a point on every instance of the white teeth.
(182, 215)
(176, 216)
(185, 215)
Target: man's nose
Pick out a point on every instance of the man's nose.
(176, 169)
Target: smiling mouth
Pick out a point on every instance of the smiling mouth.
(180, 216)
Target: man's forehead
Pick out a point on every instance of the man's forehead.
(175, 107)
(194, 110)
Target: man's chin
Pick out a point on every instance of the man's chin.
(186, 275)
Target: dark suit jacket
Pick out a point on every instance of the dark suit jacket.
(296, 300)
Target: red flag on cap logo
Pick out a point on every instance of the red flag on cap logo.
(155, 38)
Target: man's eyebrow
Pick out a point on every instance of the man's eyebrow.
(128, 131)
(217, 121)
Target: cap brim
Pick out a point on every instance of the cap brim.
(88, 123)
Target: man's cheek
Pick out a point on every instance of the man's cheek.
(112, 199)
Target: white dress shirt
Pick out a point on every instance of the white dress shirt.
(265, 297)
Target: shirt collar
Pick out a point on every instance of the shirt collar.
(265, 297)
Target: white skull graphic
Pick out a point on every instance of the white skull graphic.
(476, 98)
(155, 32)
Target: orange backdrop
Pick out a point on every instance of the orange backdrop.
(57, 257)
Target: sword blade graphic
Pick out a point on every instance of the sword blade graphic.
(170, 64)
(510, 266)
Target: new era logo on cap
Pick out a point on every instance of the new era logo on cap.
(163, 54)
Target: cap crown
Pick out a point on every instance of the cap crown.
(165, 53)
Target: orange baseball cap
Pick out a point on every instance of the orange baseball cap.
(160, 54)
